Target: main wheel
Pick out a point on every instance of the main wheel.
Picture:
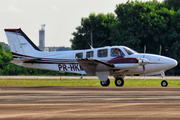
(164, 83)
(119, 82)
(105, 83)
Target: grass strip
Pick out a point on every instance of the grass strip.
(85, 82)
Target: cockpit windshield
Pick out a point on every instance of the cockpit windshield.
(129, 50)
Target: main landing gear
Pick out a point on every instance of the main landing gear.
(105, 83)
(119, 82)
(164, 83)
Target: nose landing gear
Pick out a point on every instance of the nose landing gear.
(164, 83)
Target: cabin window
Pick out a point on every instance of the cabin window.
(115, 52)
(79, 55)
(102, 53)
(89, 54)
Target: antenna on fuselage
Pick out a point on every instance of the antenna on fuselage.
(90, 46)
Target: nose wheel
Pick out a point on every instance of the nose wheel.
(164, 83)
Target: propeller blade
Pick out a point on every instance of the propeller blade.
(143, 61)
(144, 72)
(144, 51)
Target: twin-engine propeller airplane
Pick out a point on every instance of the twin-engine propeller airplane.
(116, 61)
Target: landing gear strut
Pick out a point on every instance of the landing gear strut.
(105, 83)
(164, 83)
(119, 82)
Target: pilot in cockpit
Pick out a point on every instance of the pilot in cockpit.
(117, 52)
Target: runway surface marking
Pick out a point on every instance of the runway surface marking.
(77, 110)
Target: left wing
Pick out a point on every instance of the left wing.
(96, 67)
(91, 66)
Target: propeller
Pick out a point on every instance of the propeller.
(144, 69)
(144, 61)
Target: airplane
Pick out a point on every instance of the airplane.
(116, 61)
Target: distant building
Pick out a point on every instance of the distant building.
(42, 37)
(42, 42)
(62, 48)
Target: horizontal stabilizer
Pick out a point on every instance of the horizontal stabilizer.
(23, 60)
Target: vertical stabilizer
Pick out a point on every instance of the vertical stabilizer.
(20, 44)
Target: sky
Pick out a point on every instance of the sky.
(61, 17)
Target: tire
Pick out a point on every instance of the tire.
(119, 82)
(105, 83)
(164, 83)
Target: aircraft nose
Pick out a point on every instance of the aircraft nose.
(172, 63)
(175, 63)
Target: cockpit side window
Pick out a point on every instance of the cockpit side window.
(129, 51)
(102, 53)
(79, 55)
(89, 54)
(115, 52)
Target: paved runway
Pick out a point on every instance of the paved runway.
(85, 103)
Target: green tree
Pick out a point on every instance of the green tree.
(138, 24)
(98, 25)
(173, 4)
(5, 57)
(148, 23)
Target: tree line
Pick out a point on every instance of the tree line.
(135, 24)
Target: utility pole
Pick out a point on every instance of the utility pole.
(91, 39)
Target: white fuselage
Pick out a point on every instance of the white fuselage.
(66, 61)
